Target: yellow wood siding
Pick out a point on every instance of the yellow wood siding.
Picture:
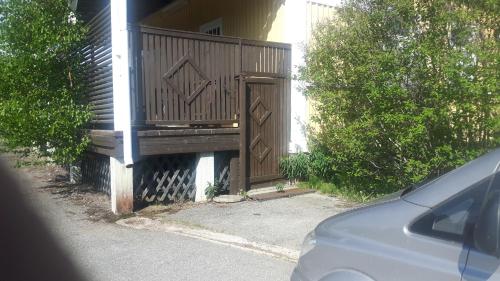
(256, 19)
(315, 14)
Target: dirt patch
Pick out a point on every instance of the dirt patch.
(153, 211)
(54, 179)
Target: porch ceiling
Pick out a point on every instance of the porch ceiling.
(136, 10)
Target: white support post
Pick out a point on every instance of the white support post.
(122, 195)
(295, 33)
(204, 174)
(121, 169)
(296, 29)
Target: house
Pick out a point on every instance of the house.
(191, 92)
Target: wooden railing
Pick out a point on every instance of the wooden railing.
(185, 78)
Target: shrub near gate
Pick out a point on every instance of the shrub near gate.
(295, 167)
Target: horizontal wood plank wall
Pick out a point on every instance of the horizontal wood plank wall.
(99, 76)
(158, 142)
(106, 142)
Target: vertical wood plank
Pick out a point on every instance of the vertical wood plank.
(214, 75)
(187, 74)
(243, 134)
(150, 77)
(206, 68)
(217, 54)
(163, 70)
(232, 111)
(157, 78)
(175, 79)
(195, 85)
(170, 94)
(180, 79)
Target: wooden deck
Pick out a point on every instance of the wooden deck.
(106, 142)
(195, 92)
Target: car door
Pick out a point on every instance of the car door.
(482, 265)
(445, 229)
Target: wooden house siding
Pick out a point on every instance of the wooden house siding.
(316, 13)
(254, 19)
(97, 57)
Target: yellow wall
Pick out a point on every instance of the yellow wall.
(315, 14)
(251, 19)
(256, 19)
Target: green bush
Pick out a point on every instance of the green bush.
(321, 163)
(41, 79)
(404, 90)
(301, 166)
(295, 167)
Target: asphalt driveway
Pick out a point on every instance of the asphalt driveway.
(207, 241)
(282, 222)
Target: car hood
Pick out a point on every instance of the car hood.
(360, 209)
(455, 181)
(377, 221)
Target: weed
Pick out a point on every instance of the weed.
(243, 193)
(213, 190)
(280, 187)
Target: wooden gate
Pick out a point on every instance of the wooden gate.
(264, 136)
(262, 128)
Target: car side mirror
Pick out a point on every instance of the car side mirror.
(486, 231)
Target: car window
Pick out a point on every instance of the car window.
(453, 219)
(486, 231)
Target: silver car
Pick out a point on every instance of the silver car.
(444, 230)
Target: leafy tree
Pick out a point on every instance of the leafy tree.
(404, 89)
(41, 78)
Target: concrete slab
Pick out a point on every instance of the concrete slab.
(228, 199)
(281, 222)
(267, 190)
(277, 195)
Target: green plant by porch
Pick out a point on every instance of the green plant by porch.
(41, 81)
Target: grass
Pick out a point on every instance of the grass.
(335, 190)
